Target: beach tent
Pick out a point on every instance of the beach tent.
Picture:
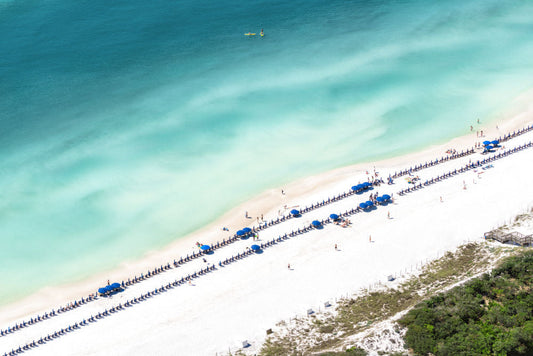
(205, 247)
(255, 248)
(334, 216)
(241, 233)
(295, 212)
(363, 206)
(316, 223)
(247, 230)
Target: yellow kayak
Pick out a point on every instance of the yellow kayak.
(249, 34)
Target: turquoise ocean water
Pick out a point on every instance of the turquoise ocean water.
(125, 125)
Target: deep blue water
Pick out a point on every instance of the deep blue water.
(125, 125)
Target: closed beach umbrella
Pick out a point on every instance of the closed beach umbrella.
(102, 290)
(334, 216)
(295, 212)
(256, 247)
(386, 197)
(486, 143)
(240, 233)
(205, 247)
(247, 230)
(362, 205)
(316, 223)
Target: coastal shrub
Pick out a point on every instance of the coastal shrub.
(353, 351)
(359, 313)
(490, 315)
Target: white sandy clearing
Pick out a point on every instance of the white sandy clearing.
(240, 301)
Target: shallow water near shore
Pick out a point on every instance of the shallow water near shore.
(126, 126)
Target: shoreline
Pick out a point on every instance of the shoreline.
(300, 192)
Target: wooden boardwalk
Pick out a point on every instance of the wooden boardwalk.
(512, 237)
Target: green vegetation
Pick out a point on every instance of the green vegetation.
(352, 351)
(491, 315)
(353, 315)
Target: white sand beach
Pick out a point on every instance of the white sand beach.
(240, 301)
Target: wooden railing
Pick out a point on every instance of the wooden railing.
(513, 237)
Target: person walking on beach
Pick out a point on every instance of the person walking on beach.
(369, 238)
(441, 199)
(289, 266)
(246, 214)
(335, 247)
(388, 214)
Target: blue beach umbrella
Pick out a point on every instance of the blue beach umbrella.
(386, 197)
(495, 142)
(256, 247)
(295, 212)
(108, 288)
(102, 290)
(380, 199)
(240, 233)
(369, 203)
(247, 230)
(363, 206)
(316, 223)
(205, 247)
(334, 216)
(115, 285)
(488, 147)
(356, 188)
(486, 143)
